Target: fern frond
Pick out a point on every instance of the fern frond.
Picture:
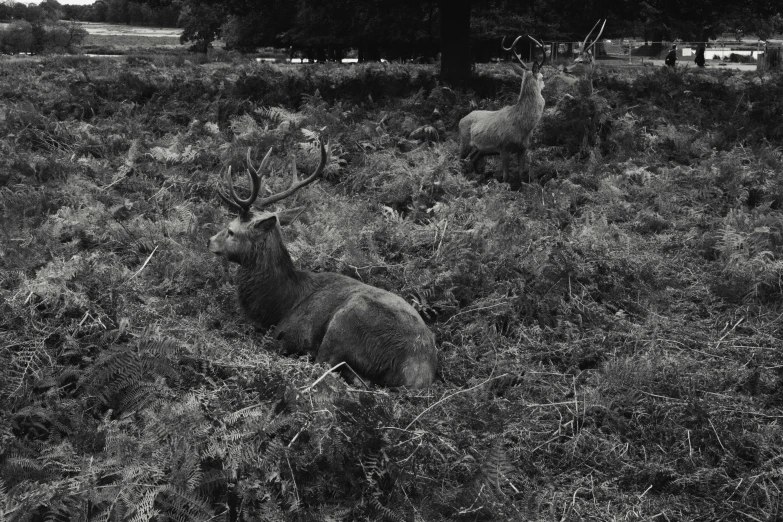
(183, 505)
(386, 513)
(497, 466)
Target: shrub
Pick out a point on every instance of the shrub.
(578, 124)
(17, 38)
(741, 58)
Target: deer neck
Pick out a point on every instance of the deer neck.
(528, 92)
(268, 283)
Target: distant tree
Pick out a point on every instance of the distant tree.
(201, 24)
(455, 61)
(135, 14)
(52, 10)
(6, 11)
(17, 37)
(19, 11)
(165, 16)
(64, 37)
(40, 38)
(36, 14)
(117, 12)
(100, 10)
(699, 20)
(262, 24)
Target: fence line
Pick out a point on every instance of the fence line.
(639, 50)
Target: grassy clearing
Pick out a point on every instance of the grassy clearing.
(130, 43)
(609, 340)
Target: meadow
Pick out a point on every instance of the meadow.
(609, 334)
(117, 39)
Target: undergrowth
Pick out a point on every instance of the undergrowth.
(608, 337)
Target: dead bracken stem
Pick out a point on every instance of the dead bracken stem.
(450, 396)
(143, 265)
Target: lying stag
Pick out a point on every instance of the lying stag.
(508, 130)
(334, 317)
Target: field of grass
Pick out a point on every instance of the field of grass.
(125, 44)
(609, 337)
(128, 39)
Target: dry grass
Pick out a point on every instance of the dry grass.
(609, 341)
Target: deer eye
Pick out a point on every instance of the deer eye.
(230, 233)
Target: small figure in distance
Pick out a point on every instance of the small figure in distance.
(700, 55)
(671, 58)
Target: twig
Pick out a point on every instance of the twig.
(449, 397)
(330, 370)
(437, 250)
(571, 507)
(476, 310)
(539, 404)
(727, 333)
(142, 266)
(716, 435)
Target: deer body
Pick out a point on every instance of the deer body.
(335, 318)
(506, 131)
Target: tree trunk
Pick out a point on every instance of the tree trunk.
(455, 60)
(773, 58)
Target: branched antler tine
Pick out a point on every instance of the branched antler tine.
(225, 197)
(233, 193)
(297, 185)
(255, 180)
(502, 44)
(513, 50)
(543, 49)
(250, 163)
(599, 34)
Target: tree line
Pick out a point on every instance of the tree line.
(459, 31)
(37, 29)
(104, 11)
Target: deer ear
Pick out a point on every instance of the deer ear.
(288, 216)
(265, 225)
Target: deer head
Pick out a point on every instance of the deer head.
(238, 241)
(532, 74)
(586, 52)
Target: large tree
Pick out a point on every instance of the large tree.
(455, 58)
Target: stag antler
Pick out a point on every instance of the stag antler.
(519, 58)
(295, 183)
(586, 49)
(234, 201)
(255, 173)
(513, 45)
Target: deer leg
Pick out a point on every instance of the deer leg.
(521, 166)
(476, 158)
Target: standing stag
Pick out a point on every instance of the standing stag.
(506, 131)
(334, 317)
